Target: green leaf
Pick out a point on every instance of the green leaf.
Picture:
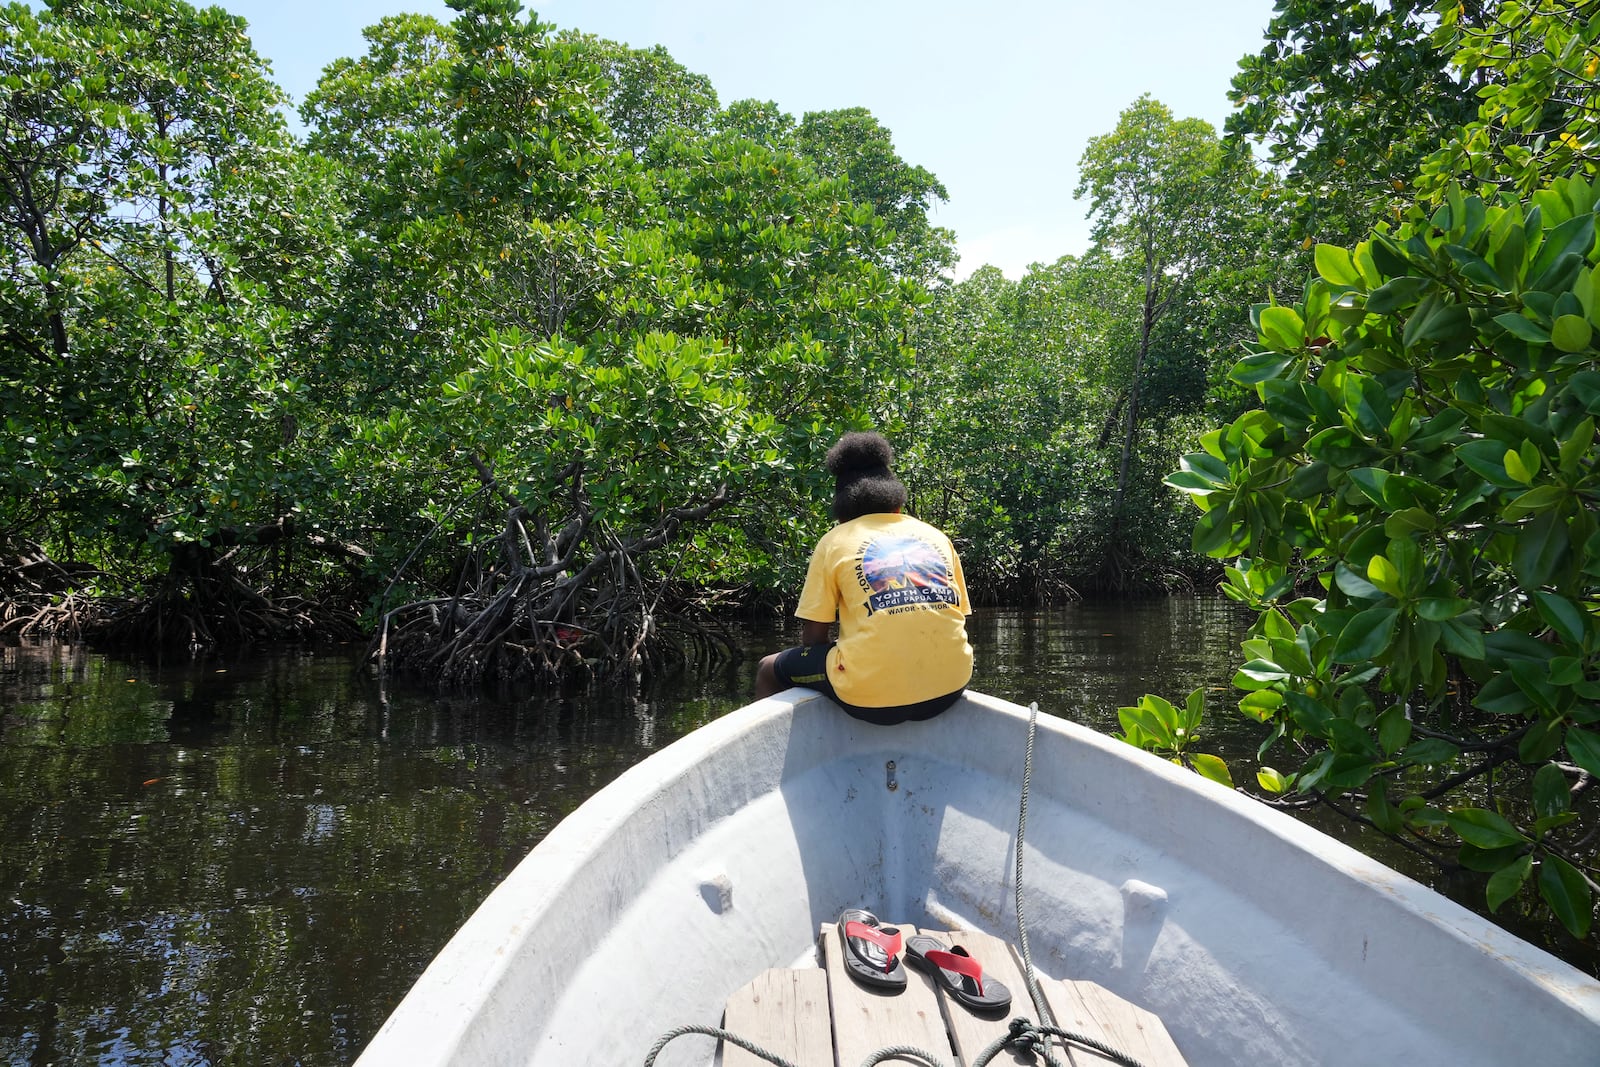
(1501, 695)
(1366, 636)
(1564, 888)
(1261, 704)
(1584, 748)
(1540, 549)
(1563, 616)
(1335, 265)
(1486, 458)
(1505, 882)
(1260, 367)
(1550, 793)
(1475, 266)
(1536, 499)
(1517, 468)
(1283, 328)
(1394, 730)
(1272, 781)
(1462, 638)
(1571, 333)
(1488, 860)
(1440, 608)
(1212, 767)
(1353, 584)
(1484, 828)
(1523, 328)
(1395, 294)
(1384, 575)
(1154, 716)
(1429, 751)
(1576, 447)
(1258, 674)
(1384, 815)
(1213, 534)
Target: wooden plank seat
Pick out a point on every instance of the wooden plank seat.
(821, 1017)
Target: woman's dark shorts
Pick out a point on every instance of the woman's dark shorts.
(807, 665)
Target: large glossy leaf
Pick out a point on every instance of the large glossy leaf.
(1366, 636)
(1541, 547)
(1564, 888)
(1571, 333)
(1584, 748)
(1335, 265)
(1484, 828)
(1282, 328)
(1397, 293)
(1565, 617)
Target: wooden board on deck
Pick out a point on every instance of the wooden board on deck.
(1094, 1011)
(866, 1020)
(785, 1012)
(821, 1017)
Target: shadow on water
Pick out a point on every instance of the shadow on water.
(250, 859)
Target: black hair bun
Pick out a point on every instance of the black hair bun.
(860, 451)
(863, 482)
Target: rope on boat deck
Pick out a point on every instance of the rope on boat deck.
(1024, 1036)
(722, 1035)
(902, 1052)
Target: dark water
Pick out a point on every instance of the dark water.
(234, 860)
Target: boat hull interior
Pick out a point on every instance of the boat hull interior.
(1255, 938)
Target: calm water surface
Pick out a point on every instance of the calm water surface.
(233, 860)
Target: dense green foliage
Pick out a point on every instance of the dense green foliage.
(1411, 509)
(513, 283)
(1049, 409)
(526, 354)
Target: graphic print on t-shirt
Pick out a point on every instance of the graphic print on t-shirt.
(904, 571)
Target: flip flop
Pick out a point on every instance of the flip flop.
(871, 950)
(959, 974)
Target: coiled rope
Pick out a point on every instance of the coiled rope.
(1024, 1035)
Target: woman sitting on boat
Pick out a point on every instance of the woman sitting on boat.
(894, 586)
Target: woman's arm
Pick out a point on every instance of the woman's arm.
(815, 633)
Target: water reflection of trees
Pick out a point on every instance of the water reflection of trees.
(251, 861)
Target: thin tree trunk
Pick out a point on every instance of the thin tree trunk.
(1152, 311)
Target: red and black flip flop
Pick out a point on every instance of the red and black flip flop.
(960, 975)
(871, 951)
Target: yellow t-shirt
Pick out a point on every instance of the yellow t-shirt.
(895, 586)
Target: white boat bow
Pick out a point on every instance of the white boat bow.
(1257, 939)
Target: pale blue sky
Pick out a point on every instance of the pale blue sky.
(999, 101)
